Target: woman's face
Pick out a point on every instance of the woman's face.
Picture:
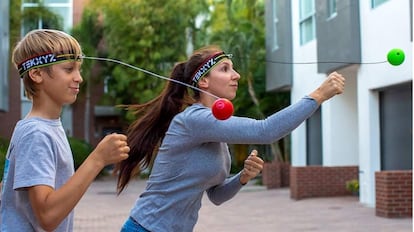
(222, 80)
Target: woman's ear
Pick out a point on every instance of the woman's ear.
(36, 75)
(203, 83)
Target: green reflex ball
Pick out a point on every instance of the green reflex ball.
(396, 56)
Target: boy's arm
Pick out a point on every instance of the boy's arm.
(52, 206)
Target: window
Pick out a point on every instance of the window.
(307, 21)
(332, 11)
(376, 3)
(55, 14)
(275, 42)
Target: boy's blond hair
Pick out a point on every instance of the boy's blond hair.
(39, 42)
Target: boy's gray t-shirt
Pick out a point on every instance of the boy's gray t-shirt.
(39, 154)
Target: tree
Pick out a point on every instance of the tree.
(148, 34)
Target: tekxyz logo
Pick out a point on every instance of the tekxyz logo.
(209, 64)
(39, 60)
(203, 70)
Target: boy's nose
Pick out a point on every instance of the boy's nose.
(78, 77)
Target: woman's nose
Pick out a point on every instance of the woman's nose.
(236, 75)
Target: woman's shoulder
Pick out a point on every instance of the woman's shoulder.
(196, 111)
(194, 114)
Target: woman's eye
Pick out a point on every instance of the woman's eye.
(69, 69)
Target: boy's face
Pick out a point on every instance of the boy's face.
(62, 85)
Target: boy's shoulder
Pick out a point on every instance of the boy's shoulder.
(31, 125)
(30, 129)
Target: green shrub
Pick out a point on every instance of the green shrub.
(4, 144)
(80, 149)
(352, 185)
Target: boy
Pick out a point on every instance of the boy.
(40, 187)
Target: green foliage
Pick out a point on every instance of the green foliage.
(352, 186)
(148, 34)
(4, 145)
(15, 21)
(80, 150)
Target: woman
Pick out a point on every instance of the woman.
(193, 157)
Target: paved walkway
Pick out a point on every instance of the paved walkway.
(254, 209)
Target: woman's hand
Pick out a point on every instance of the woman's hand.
(253, 165)
(333, 85)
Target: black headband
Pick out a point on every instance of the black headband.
(44, 60)
(208, 64)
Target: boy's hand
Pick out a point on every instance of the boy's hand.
(253, 165)
(112, 149)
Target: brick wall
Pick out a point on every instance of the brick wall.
(320, 181)
(271, 175)
(285, 174)
(275, 174)
(8, 119)
(393, 194)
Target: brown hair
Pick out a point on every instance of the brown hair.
(39, 42)
(154, 117)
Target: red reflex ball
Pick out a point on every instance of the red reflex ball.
(222, 109)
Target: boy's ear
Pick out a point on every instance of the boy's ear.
(36, 75)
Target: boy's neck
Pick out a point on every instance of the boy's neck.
(45, 111)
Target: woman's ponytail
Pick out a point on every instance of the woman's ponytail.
(154, 117)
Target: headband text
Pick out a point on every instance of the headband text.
(44, 60)
(208, 65)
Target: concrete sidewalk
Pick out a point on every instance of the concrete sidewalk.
(254, 209)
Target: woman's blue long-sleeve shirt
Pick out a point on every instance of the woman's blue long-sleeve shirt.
(194, 158)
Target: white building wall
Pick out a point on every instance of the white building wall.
(382, 29)
(340, 124)
(339, 115)
(350, 122)
(304, 81)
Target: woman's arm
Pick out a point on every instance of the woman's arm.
(241, 130)
(332, 86)
(253, 165)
